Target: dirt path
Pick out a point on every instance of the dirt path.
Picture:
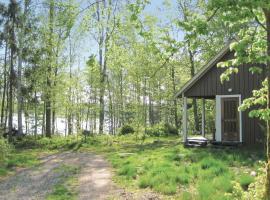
(36, 183)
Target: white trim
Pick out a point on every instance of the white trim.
(218, 119)
(218, 116)
(184, 123)
(203, 117)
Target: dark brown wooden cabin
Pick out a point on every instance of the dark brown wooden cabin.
(231, 125)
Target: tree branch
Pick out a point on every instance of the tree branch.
(214, 13)
(258, 21)
(89, 6)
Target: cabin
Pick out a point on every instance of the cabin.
(231, 126)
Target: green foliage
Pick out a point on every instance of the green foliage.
(129, 171)
(245, 180)
(5, 149)
(156, 130)
(170, 130)
(19, 158)
(162, 178)
(61, 193)
(54, 143)
(215, 167)
(161, 129)
(259, 99)
(126, 129)
(254, 190)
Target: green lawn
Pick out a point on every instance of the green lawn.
(166, 167)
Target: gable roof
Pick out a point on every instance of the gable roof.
(204, 70)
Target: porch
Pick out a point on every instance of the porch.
(228, 122)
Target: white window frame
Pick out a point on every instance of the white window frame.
(218, 116)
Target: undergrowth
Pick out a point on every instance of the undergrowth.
(163, 165)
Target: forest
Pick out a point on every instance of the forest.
(89, 105)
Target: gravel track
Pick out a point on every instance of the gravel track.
(36, 183)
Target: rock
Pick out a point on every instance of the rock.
(253, 173)
(124, 155)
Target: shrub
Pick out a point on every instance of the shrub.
(245, 181)
(255, 190)
(5, 149)
(161, 129)
(56, 142)
(223, 183)
(126, 129)
(183, 178)
(166, 188)
(169, 129)
(205, 190)
(129, 171)
(156, 130)
(145, 181)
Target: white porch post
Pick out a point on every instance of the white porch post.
(184, 120)
(203, 117)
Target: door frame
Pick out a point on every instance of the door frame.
(218, 134)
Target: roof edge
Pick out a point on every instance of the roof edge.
(203, 70)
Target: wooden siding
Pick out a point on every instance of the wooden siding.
(209, 85)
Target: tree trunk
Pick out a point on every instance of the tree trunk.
(101, 67)
(54, 118)
(145, 105)
(36, 115)
(49, 72)
(69, 110)
(6, 109)
(4, 88)
(194, 102)
(110, 107)
(87, 115)
(95, 112)
(26, 119)
(267, 185)
(19, 93)
(174, 101)
(122, 121)
(101, 104)
(20, 60)
(10, 96)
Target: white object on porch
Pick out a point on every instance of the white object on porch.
(196, 141)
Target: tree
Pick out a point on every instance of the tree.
(11, 24)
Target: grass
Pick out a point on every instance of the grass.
(20, 158)
(28, 150)
(166, 167)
